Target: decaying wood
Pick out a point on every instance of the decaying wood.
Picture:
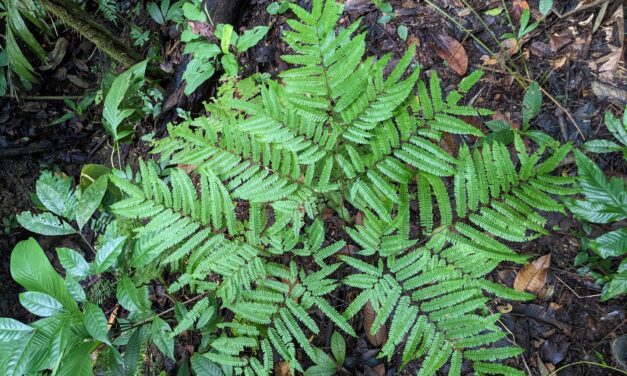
(86, 26)
(220, 12)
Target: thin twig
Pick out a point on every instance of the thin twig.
(575, 292)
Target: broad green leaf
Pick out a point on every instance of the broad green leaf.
(202, 50)
(128, 295)
(15, 363)
(133, 350)
(77, 361)
(338, 347)
(155, 13)
(545, 6)
(225, 38)
(40, 304)
(532, 102)
(192, 13)
(11, 329)
(73, 262)
(203, 366)
(31, 269)
(91, 172)
(229, 64)
(44, 224)
(112, 114)
(616, 127)
(250, 38)
(611, 244)
(402, 31)
(161, 336)
(602, 146)
(615, 287)
(20, 28)
(19, 63)
(75, 289)
(196, 73)
(273, 8)
(55, 193)
(96, 323)
(107, 255)
(90, 200)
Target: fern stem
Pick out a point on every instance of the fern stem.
(146, 321)
(588, 363)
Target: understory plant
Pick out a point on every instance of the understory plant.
(18, 18)
(229, 224)
(604, 203)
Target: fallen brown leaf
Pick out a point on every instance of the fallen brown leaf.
(453, 52)
(282, 369)
(380, 369)
(532, 277)
(369, 316)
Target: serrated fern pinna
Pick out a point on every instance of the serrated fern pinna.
(336, 132)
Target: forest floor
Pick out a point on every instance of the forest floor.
(576, 57)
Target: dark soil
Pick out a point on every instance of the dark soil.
(566, 323)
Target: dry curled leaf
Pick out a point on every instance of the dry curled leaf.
(506, 308)
(369, 316)
(453, 52)
(532, 277)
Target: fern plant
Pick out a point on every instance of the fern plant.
(233, 211)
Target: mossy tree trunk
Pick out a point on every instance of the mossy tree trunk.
(79, 20)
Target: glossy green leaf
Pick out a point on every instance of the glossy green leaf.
(44, 224)
(615, 287)
(77, 361)
(75, 289)
(128, 295)
(40, 304)
(133, 350)
(90, 200)
(113, 115)
(55, 193)
(161, 336)
(611, 244)
(108, 254)
(96, 322)
(11, 329)
(73, 262)
(31, 269)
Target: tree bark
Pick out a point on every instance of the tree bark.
(220, 12)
